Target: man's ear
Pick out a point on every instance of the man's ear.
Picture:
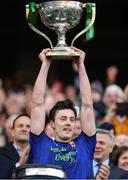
(12, 132)
(52, 124)
(110, 148)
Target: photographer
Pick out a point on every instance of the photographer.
(116, 109)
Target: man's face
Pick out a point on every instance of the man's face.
(64, 125)
(103, 147)
(121, 140)
(112, 73)
(110, 98)
(21, 129)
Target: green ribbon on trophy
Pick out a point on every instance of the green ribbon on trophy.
(33, 11)
(90, 32)
(32, 15)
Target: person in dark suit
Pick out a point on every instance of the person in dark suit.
(10, 152)
(18, 150)
(6, 167)
(104, 146)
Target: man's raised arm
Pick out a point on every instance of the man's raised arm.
(87, 116)
(37, 107)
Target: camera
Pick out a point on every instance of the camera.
(122, 108)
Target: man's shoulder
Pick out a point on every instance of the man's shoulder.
(4, 159)
(84, 135)
(7, 148)
(85, 140)
(33, 135)
(9, 151)
(39, 139)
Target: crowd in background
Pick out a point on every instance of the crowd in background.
(110, 104)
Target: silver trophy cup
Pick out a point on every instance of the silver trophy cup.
(59, 16)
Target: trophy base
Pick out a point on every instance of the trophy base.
(63, 55)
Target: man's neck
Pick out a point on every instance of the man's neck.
(20, 145)
(56, 138)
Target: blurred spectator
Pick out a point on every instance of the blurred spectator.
(9, 127)
(60, 96)
(114, 94)
(53, 95)
(48, 102)
(15, 103)
(3, 113)
(3, 116)
(104, 146)
(111, 75)
(2, 138)
(126, 92)
(56, 87)
(2, 98)
(107, 126)
(120, 158)
(18, 150)
(97, 86)
(70, 93)
(97, 93)
(121, 140)
(76, 81)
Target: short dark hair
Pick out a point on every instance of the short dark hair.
(60, 105)
(20, 115)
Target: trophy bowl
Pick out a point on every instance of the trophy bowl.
(59, 16)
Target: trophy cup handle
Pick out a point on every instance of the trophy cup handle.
(32, 21)
(89, 25)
